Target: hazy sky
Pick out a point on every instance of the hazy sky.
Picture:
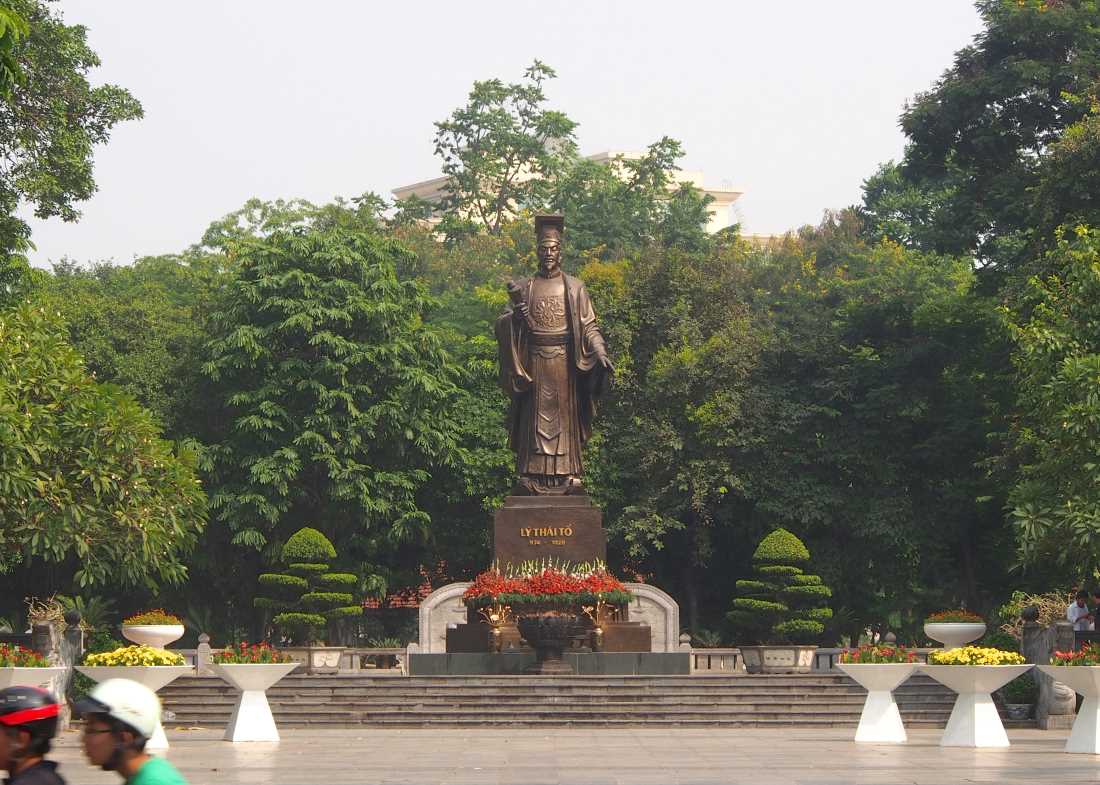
(795, 103)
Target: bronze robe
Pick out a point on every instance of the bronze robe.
(553, 383)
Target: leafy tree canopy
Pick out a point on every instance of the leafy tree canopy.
(977, 138)
(501, 151)
(1056, 501)
(84, 475)
(51, 118)
(329, 388)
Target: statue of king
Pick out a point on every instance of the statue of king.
(553, 366)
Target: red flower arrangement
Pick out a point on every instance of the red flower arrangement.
(1086, 655)
(547, 586)
(15, 656)
(250, 654)
(871, 654)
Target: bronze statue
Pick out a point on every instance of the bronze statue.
(553, 366)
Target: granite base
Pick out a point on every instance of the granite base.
(584, 664)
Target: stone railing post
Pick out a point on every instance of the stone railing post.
(1055, 707)
(203, 656)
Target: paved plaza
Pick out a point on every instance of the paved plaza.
(606, 755)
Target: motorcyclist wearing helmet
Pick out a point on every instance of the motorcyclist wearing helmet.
(28, 721)
(119, 717)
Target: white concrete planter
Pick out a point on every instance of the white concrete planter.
(317, 659)
(156, 635)
(974, 721)
(152, 676)
(789, 658)
(953, 634)
(1085, 679)
(252, 719)
(29, 677)
(880, 721)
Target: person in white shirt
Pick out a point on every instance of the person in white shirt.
(1078, 613)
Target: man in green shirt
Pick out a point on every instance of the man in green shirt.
(119, 717)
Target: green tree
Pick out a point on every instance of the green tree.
(142, 327)
(501, 151)
(84, 475)
(330, 390)
(617, 209)
(783, 602)
(309, 597)
(978, 136)
(12, 28)
(1055, 503)
(51, 120)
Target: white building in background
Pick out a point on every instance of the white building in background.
(721, 215)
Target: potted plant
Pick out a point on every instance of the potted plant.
(548, 603)
(146, 665)
(974, 672)
(954, 628)
(782, 609)
(309, 599)
(1080, 670)
(154, 628)
(879, 670)
(21, 667)
(252, 669)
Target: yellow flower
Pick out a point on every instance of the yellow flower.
(134, 655)
(975, 655)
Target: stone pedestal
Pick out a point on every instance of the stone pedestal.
(537, 528)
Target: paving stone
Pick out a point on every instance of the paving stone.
(570, 756)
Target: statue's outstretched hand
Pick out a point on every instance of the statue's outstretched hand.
(605, 361)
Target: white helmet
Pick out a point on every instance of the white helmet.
(124, 700)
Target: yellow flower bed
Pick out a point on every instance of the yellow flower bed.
(975, 655)
(134, 655)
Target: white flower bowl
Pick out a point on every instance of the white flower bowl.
(953, 634)
(156, 635)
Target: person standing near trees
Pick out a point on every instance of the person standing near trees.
(1078, 612)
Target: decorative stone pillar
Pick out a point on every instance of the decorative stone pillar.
(1055, 707)
(203, 656)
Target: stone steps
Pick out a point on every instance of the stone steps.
(353, 700)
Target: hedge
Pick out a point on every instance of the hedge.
(326, 599)
(307, 569)
(781, 547)
(778, 570)
(308, 545)
(803, 629)
(278, 581)
(338, 579)
(299, 620)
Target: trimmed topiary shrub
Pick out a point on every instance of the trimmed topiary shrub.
(783, 604)
(303, 599)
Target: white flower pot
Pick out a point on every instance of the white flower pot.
(252, 719)
(152, 676)
(953, 634)
(974, 721)
(1085, 679)
(29, 677)
(156, 635)
(880, 721)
